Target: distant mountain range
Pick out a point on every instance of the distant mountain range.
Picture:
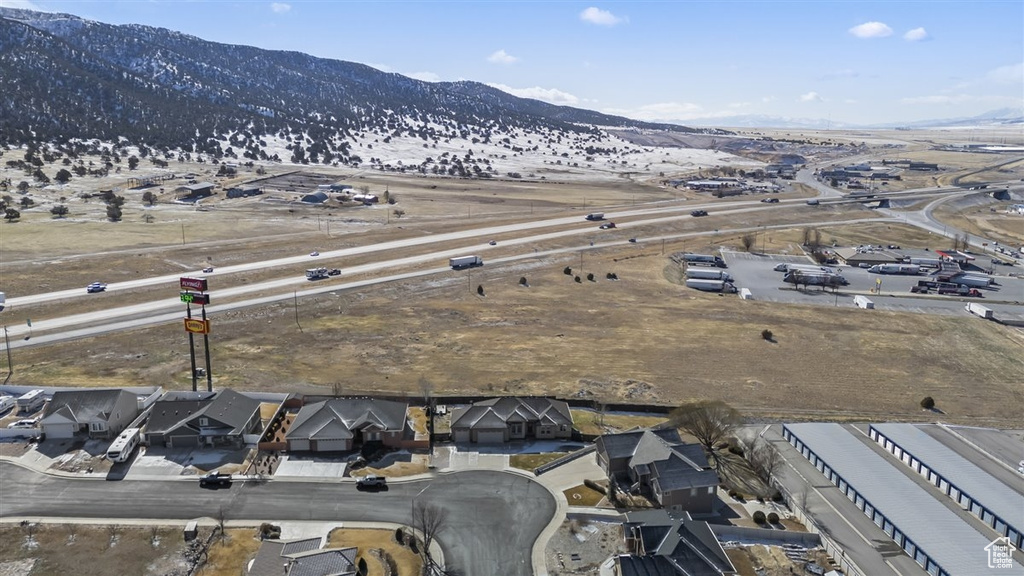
(66, 78)
(1000, 117)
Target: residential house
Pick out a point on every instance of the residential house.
(222, 418)
(657, 464)
(347, 423)
(504, 419)
(98, 413)
(302, 557)
(665, 544)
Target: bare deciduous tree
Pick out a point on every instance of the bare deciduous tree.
(709, 421)
(748, 241)
(765, 461)
(429, 520)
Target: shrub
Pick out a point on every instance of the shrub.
(522, 281)
(480, 289)
(928, 403)
(567, 271)
(773, 518)
(578, 280)
(767, 335)
(590, 276)
(759, 517)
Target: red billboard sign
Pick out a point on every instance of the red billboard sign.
(193, 283)
(197, 326)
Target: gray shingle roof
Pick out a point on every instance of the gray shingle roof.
(684, 546)
(493, 413)
(227, 407)
(84, 405)
(303, 558)
(338, 418)
(625, 443)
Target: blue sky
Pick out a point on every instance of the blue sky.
(852, 62)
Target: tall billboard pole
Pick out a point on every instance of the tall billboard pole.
(197, 326)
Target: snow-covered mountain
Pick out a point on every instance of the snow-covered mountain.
(67, 79)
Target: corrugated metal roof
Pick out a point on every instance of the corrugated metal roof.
(952, 543)
(959, 471)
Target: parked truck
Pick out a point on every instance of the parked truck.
(863, 302)
(710, 285)
(979, 310)
(972, 280)
(595, 216)
(708, 274)
(316, 273)
(812, 268)
(463, 262)
(906, 269)
(927, 262)
(703, 260)
(814, 279)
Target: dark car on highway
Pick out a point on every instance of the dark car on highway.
(697, 213)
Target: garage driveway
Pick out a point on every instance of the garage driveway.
(310, 467)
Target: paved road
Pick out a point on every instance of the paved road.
(494, 517)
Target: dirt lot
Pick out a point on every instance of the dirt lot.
(580, 547)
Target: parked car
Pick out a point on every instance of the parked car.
(698, 213)
(208, 270)
(371, 481)
(96, 287)
(20, 424)
(215, 480)
(770, 200)
(633, 240)
(607, 225)
(333, 272)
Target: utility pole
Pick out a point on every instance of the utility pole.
(182, 234)
(296, 301)
(10, 366)
(192, 350)
(206, 345)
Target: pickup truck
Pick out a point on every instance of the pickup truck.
(215, 480)
(371, 482)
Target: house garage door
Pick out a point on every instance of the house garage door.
(298, 445)
(331, 445)
(460, 435)
(183, 441)
(59, 431)
(490, 436)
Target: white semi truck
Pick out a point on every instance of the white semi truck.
(463, 262)
(710, 285)
(979, 310)
(907, 269)
(708, 274)
(595, 216)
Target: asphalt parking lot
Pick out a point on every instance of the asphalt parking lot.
(755, 272)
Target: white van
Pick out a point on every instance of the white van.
(6, 403)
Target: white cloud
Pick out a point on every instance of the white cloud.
(280, 7)
(838, 74)
(424, 76)
(660, 111)
(871, 30)
(767, 99)
(916, 35)
(549, 95)
(21, 5)
(600, 17)
(1012, 74)
(739, 104)
(811, 97)
(938, 99)
(502, 57)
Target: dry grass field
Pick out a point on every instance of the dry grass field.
(641, 339)
(365, 540)
(58, 550)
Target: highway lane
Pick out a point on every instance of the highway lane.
(494, 517)
(169, 310)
